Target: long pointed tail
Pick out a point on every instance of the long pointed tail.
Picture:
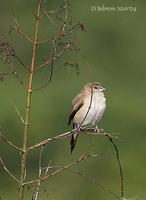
(73, 140)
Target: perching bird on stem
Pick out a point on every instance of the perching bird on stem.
(88, 108)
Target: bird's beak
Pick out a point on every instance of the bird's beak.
(102, 89)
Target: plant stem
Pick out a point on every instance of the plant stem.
(28, 104)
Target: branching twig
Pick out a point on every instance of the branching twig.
(3, 137)
(36, 193)
(83, 157)
(68, 134)
(73, 29)
(20, 61)
(17, 27)
(93, 131)
(47, 168)
(8, 171)
(28, 103)
(58, 137)
(54, 58)
(48, 16)
(66, 33)
(49, 79)
(65, 19)
(18, 112)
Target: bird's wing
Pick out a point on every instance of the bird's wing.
(77, 103)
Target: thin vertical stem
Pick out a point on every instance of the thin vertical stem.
(28, 103)
(120, 168)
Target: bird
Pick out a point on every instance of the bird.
(87, 109)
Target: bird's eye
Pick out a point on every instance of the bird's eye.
(95, 87)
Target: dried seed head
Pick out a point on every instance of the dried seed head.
(7, 52)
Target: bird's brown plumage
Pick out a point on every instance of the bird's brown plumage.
(77, 104)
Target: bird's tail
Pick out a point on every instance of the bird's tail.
(73, 140)
(74, 137)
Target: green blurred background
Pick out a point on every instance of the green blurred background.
(113, 51)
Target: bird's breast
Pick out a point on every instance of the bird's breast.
(92, 111)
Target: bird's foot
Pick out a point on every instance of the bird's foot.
(76, 129)
(101, 130)
(96, 130)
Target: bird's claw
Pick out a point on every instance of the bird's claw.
(96, 130)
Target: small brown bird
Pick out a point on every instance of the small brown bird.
(88, 108)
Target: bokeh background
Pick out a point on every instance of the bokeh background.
(112, 51)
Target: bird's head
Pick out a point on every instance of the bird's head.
(95, 87)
